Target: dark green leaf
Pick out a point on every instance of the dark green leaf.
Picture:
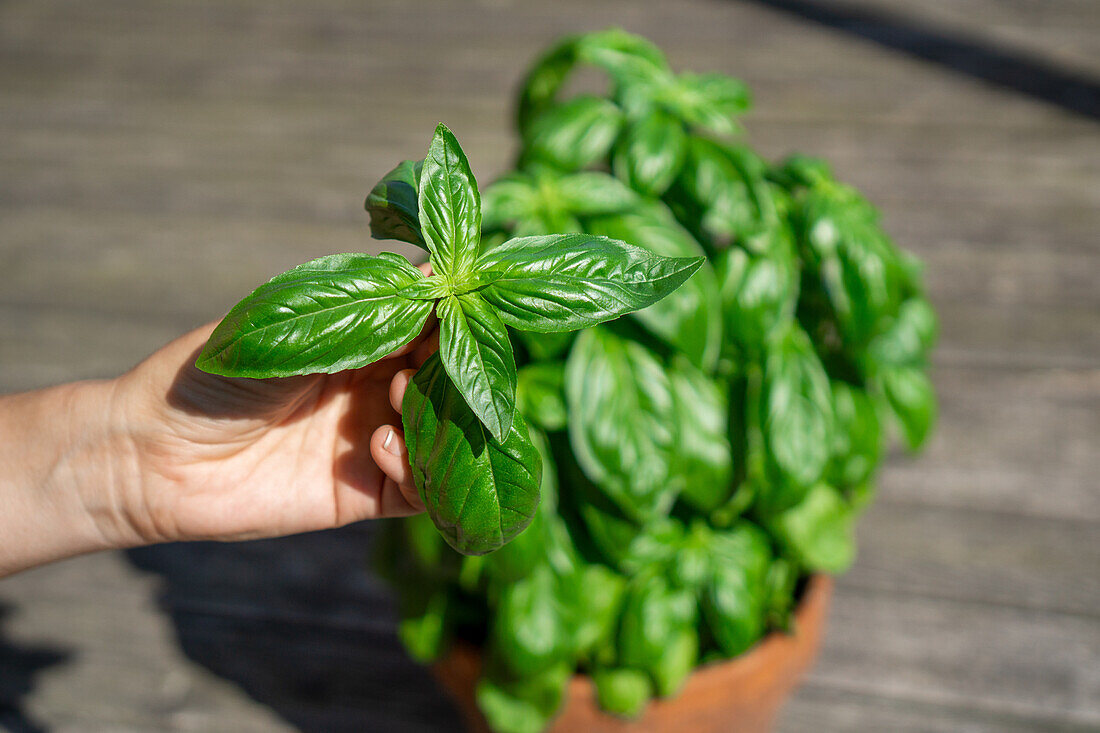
(758, 293)
(908, 339)
(913, 400)
(711, 101)
(689, 318)
(508, 200)
(857, 438)
(818, 532)
(450, 208)
(655, 614)
(573, 134)
(529, 632)
(650, 153)
(702, 460)
(523, 705)
(334, 313)
(620, 409)
(540, 395)
(595, 594)
(545, 346)
(393, 204)
(424, 632)
(735, 598)
(476, 351)
(795, 416)
(479, 492)
(591, 194)
(570, 281)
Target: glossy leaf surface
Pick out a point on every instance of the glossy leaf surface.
(620, 407)
(333, 313)
(570, 281)
(479, 492)
(393, 204)
(703, 459)
(650, 153)
(477, 354)
(574, 134)
(689, 318)
(450, 207)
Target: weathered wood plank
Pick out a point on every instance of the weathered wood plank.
(1004, 558)
(986, 657)
(825, 709)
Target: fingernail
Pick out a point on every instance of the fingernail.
(390, 446)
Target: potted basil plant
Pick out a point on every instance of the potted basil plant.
(666, 375)
(704, 458)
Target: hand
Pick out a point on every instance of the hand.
(230, 459)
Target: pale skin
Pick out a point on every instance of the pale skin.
(167, 453)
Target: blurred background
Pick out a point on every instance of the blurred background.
(159, 160)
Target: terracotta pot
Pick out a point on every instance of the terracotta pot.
(741, 695)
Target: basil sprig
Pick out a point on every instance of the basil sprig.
(472, 457)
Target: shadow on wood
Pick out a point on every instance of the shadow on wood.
(301, 626)
(18, 666)
(996, 64)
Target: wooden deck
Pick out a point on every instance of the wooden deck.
(157, 160)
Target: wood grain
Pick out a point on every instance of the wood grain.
(159, 160)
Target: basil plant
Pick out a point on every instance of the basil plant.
(472, 456)
(701, 456)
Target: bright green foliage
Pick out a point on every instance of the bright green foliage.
(472, 458)
(702, 456)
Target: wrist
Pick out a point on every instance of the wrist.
(66, 459)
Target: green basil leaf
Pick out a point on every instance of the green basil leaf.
(620, 409)
(523, 705)
(540, 542)
(702, 461)
(862, 274)
(423, 630)
(759, 294)
(908, 339)
(528, 632)
(912, 400)
(795, 415)
(570, 281)
(540, 395)
(591, 193)
(426, 288)
(573, 134)
(711, 101)
(677, 662)
(622, 692)
(393, 204)
(607, 49)
(595, 595)
(450, 207)
(545, 346)
(734, 601)
(818, 532)
(475, 350)
(650, 153)
(547, 222)
(857, 438)
(654, 613)
(507, 200)
(333, 313)
(689, 318)
(619, 52)
(479, 492)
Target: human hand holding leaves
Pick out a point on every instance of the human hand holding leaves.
(472, 458)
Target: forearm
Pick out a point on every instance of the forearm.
(66, 463)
